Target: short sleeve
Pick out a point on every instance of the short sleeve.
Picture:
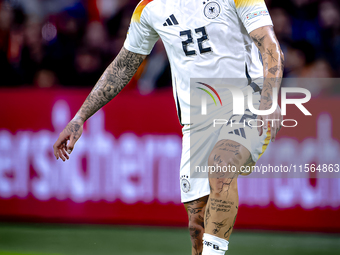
(141, 36)
(253, 13)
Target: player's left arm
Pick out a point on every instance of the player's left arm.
(273, 66)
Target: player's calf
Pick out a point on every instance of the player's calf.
(195, 210)
(227, 157)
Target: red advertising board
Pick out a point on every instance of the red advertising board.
(125, 168)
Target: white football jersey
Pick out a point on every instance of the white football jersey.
(202, 38)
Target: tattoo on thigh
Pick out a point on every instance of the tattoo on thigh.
(217, 160)
(236, 152)
(229, 147)
(249, 161)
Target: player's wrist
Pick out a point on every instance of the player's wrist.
(265, 105)
(80, 120)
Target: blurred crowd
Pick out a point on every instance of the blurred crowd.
(50, 43)
(60, 42)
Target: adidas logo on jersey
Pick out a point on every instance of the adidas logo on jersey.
(168, 21)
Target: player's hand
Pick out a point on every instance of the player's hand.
(67, 139)
(273, 120)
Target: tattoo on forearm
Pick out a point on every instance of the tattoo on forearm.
(115, 77)
(265, 64)
(273, 62)
(274, 69)
(270, 53)
(267, 100)
(258, 40)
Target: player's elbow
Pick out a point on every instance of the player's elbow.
(273, 50)
(282, 56)
(274, 46)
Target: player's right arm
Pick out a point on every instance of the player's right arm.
(140, 40)
(113, 80)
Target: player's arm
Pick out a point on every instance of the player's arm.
(139, 42)
(256, 19)
(113, 80)
(273, 66)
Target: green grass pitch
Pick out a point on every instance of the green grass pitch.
(32, 239)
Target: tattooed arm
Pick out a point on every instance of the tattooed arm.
(113, 80)
(273, 65)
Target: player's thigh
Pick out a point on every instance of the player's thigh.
(228, 156)
(225, 161)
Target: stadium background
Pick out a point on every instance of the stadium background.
(124, 171)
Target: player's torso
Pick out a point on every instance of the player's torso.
(203, 38)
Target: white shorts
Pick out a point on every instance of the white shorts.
(198, 142)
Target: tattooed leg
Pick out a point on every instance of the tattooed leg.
(222, 204)
(195, 210)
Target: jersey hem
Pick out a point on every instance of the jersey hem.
(255, 26)
(136, 50)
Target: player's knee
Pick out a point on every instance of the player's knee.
(222, 186)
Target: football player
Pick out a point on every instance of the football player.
(220, 39)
